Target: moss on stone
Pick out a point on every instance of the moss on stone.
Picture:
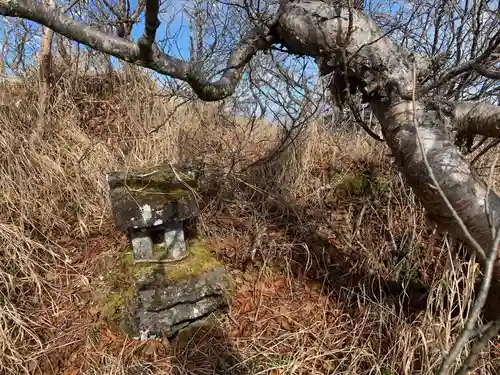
(161, 178)
(165, 192)
(127, 259)
(199, 260)
(126, 278)
(114, 309)
(230, 287)
(113, 306)
(137, 272)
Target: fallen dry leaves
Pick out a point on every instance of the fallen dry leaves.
(272, 303)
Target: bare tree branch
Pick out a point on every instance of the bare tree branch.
(474, 64)
(478, 346)
(131, 52)
(493, 74)
(471, 118)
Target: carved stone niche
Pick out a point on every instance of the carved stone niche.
(168, 283)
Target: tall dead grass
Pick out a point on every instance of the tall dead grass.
(330, 211)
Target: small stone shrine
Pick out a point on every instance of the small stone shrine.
(170, 283)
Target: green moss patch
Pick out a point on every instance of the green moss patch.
(162, 179)
(199, 260)
(114, 308)
(362, 183)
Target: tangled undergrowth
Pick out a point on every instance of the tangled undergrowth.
(336, 270)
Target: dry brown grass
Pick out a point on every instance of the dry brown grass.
(328, 246)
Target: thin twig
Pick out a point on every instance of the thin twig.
(478, 347)
(475, 311)
(360, 121)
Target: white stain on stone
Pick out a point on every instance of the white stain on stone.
(146, 212)
(144, 335)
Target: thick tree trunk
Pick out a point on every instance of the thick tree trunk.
(471, 118)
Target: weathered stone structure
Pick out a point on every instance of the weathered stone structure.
(151, 202)
(169, 283)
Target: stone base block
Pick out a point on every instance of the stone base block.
(167, 300)
(142, 245)
(159, 310)
(175, 243)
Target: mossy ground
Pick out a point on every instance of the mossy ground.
(361, 183)
(199, 260)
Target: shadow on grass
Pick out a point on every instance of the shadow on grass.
(314, 255)
(316, 258)
(321, 260)
(207, 351)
